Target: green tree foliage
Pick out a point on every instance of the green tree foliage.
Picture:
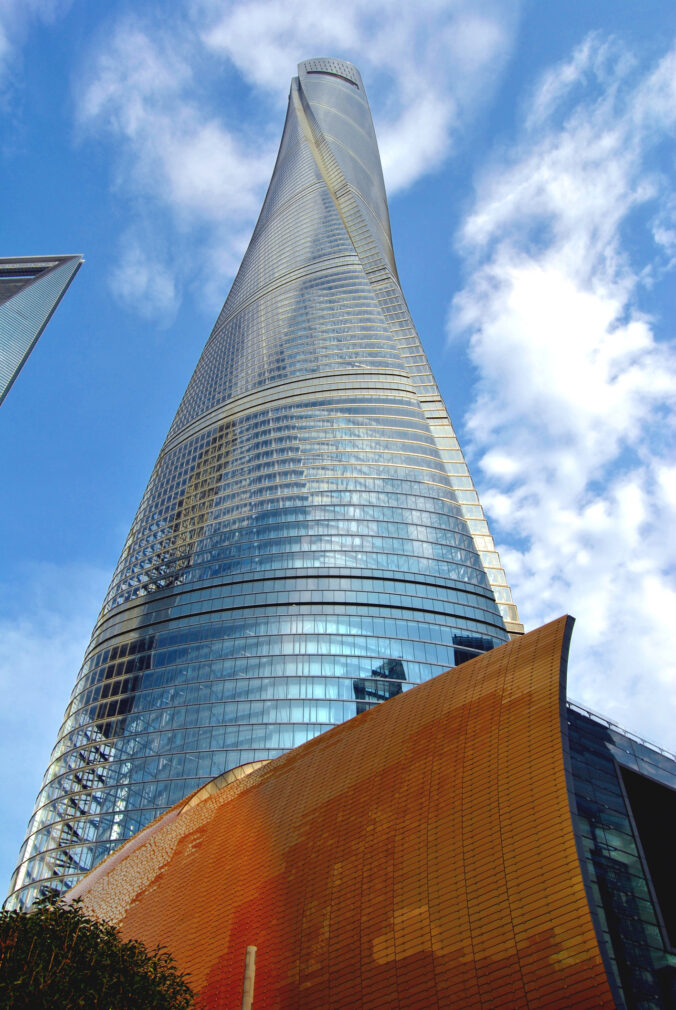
(56, 956)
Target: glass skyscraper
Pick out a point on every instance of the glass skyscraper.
(310, 541)
(31, 287)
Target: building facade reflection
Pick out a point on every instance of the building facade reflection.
(310, 519)
(31, 288)
(475, 842)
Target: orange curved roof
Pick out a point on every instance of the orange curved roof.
(420, 855)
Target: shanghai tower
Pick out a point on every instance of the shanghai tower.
(310, 541)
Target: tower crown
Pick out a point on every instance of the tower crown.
(337, 68)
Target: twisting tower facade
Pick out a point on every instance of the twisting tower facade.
(310, 541)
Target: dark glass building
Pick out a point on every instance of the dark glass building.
(31, 287)
(310, 541)
(624, 815)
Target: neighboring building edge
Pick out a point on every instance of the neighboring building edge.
(31, 288)
(622, 792)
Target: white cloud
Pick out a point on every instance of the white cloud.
(143, 280)
(573, 418)
(143, 89)
(597, 63)
(43, 635)
(16, 19)
(169, 95)
(425, 64)
(263, 39)
(184, 170)
(417, 141)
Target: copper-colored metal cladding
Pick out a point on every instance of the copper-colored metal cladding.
(421, 854)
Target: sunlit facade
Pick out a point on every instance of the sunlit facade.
(310, 541)
(472, 843)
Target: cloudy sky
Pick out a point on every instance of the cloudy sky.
(529, 154)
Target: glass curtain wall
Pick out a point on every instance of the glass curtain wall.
(310, 541)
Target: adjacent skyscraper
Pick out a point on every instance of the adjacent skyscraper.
(31, 287)
(310, 540)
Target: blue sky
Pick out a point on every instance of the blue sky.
(529, 153)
